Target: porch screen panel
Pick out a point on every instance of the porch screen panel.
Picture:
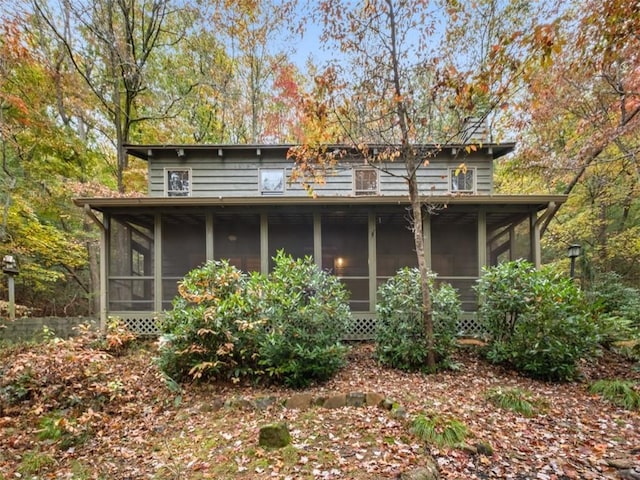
(291, 233)
(454, 252)
(508, 237)
(345, 253)
(395, 245)
(183, 249)
(236, 238)
(131, 260)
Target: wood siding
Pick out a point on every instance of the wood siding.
(236, 174)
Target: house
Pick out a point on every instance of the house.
(236, 202)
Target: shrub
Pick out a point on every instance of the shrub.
(226, 324)
(400, 338)
(616, 308)
(537, 320)
(215, 325)
(624, 393)
(309, 315)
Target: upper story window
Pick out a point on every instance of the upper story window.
(462, 180)
(178, 182)
(271, 181)
(365, 181)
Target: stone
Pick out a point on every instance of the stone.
(386, 404)
(337, 401)
(299, 401)
(373, 399)
(399, 413)
(275, 435)
(355, 399)
(262, 403)
(428, 472)
(484, 448)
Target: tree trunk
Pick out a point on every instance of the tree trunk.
(427, 311)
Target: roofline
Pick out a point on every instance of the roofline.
(106, 204)
(144, 152)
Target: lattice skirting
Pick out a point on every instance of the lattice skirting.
(363, 327)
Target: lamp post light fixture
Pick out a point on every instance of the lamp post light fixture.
(10, 267)
(573, 253)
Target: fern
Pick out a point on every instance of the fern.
(439, 431)
(516, 400)
(624, 393)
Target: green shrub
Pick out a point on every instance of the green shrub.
(226, 324)
(400, 337)
(537, 320)
(439, 431)
(615, 307)
(309, 315)
(516, 399)
(624, 393)
(215, 326)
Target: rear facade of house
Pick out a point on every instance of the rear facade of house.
(237, 202)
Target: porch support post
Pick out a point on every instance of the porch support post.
(426, 234)
(536, 252)
(317, 239)
(512, 243)
(264, 243)
(208, 219)
(157, 263)
(482, 240)
(373, 266)
(105, 255)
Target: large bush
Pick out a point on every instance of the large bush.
(537, 320)
(400, 339)
(227, 324)
(308, 315)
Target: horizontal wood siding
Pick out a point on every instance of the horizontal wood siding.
(238, 176)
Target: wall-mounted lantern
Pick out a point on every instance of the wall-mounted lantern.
(10, 267)
(573, 253)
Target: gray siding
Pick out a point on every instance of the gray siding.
(235, 175)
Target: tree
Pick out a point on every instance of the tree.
(582, 118)
(110, 44)
(406, 85)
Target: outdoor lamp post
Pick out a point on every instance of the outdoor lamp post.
(10, 267)
(573, 253)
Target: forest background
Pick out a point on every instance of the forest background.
(79, 79)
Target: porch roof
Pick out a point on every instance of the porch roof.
(536, 202)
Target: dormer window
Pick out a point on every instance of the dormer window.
(462, 180)
(365, 181)
(178, 182)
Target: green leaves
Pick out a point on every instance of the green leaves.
(401, 339)
(226, 324)
(537, 320)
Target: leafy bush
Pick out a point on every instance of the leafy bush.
(623, 393)
(215, 325)
(400, 338)
(439, 431)
(516, 399)
(616, 308)
(537, 320)
(308, 314)
(226, 324)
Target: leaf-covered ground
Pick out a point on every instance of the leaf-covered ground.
(72, 411)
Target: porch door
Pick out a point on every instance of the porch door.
(454, 252)
(345, 253)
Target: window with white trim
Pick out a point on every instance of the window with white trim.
(365, 181)
(462, 180)
(177, 182)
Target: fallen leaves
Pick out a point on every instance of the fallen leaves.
(132, 428)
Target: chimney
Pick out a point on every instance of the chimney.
(476, 130)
